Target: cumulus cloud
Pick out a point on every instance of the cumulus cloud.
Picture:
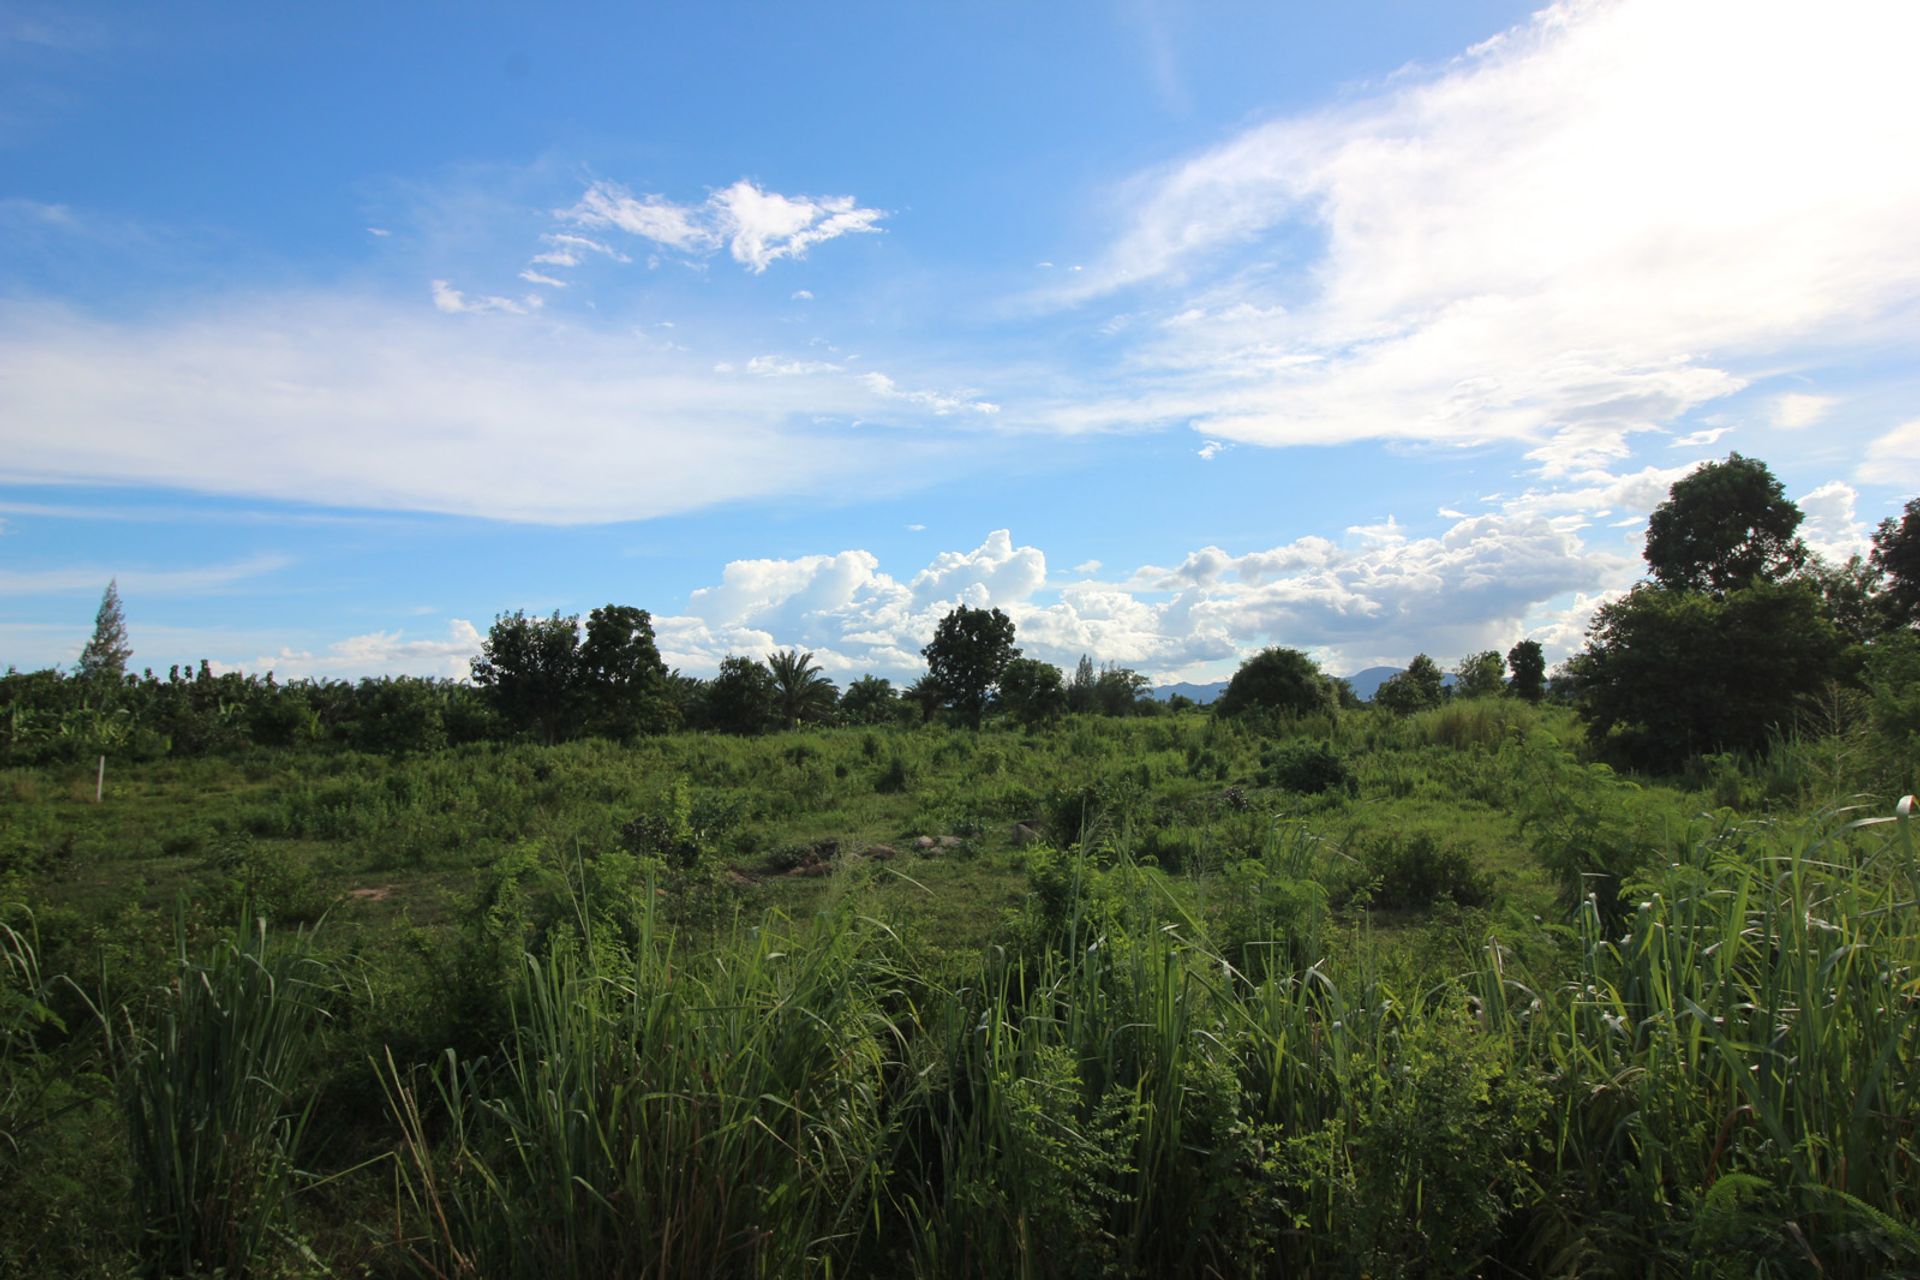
(378, 653)
(1483, 582)
(1832, 529)
(757, 227)
(1572, 234)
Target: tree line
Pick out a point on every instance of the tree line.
(1737, 629)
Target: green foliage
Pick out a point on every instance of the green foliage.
(801, 692)
(870, 700)
(1669, 674)
(1529, 667)
(741, 698)
(1480, 676)
(1726, 527)
(1414, 872)
(1418, 688)
(213, 1106)
(1896, 557)
(969, 652)
(622, 680)
(1309, 768)
(106, 653)
(1033, 692)
(529, 668)
(1284, 681)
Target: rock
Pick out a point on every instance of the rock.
(812, 869)
(1024, 834)
(879, 852)
(951, 842)
(924, 843)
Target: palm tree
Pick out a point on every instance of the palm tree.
(801, 690)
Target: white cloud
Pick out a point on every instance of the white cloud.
(203, 580)
(1832, 529)
(1087, 567)
(350, 401)
(1210, 450)
(377, 653)
(1483, 583)
(1699, 439)
(534, 277)
(1894, 458)
(1797, 409)
(453, 302)
(801, 295)
(1577, 232)
(380, 232)
(757, 227)
(941, 403)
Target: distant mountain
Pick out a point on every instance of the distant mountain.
(1365, 685)
(1201, 693)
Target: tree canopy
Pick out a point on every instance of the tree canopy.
(1480, 675)
(1528, 663)
(801, 690)
(1032, 691)
(1277, 679)
(107, 652)
(969, 651)
(1420, 686)
(1896, 558)
(1671, 674)
(1726, 526)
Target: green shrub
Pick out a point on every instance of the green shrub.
(1310, 768)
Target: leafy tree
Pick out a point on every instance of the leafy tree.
(1081, 695)
(1856, 598)
(623, 680)
(1276, 679)
(870, 700)
(969, 651)
(1120, 691)
(106, 654)
(1896, 557)
(741, 698)
(1529, 667)
(1480, 676)
(926, 694)
(1417, 688)
(1033, 692)
(1671, 674)
(1724, 527)
(530, 669)
(801, 691)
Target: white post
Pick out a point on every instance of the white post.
(100, 783)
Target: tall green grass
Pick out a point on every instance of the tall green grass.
(213, 1092)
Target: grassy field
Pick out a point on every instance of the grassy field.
(1360, 995)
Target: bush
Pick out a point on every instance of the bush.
(1309, 768)
(1414, 872)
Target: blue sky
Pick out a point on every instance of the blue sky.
(1172, 330)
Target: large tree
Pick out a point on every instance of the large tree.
(1896, 558)
(1529, 666)
(801, 690)
(1420, 686)
(969, 651)
(1032, 691)
(741, 697)
(1277, 679)
(106, 654)
(1726, 526)
(530, 670)
(870, 700)
(1670, 674)
(1481, 675)
(623, 680)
